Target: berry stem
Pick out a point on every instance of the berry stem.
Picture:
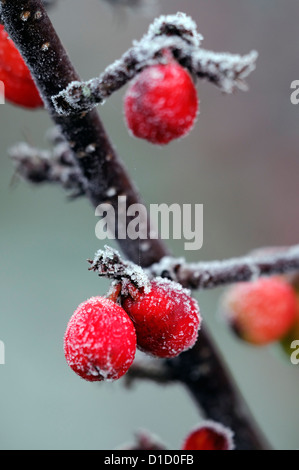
(52, 70)
(114, 292)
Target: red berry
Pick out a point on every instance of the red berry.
(166, 319)
(262, 311)
(209, 436)
(161, 104)
(100, 340)
(20, 88)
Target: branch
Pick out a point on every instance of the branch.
(207, 275)
(155, 370)
(101, 169)
(41, 166)
(176, 33)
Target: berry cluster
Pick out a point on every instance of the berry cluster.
(20, 88)
(161, 104)
(263, 311)
(102, 335)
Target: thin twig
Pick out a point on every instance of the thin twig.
(154, 370)
(44, 166)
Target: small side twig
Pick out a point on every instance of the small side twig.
(45, 166)
(154, 370)
(109, 263)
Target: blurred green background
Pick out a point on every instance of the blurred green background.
(240, 161)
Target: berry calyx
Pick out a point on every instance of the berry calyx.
(209, 436)
(100, 340)
(166, 318)
(19, 86)
(262, 311)
(161, 104)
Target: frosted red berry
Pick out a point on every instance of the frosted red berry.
(100, 340)
(209, 436)
(19, 86)
(262, 311)
(161, 104)
(166, 318)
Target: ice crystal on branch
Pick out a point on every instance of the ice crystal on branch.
(109, 263)
(173, 25)
(228, 71)
(176, 33)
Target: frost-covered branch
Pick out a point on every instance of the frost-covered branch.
(175, 33)
(45, 166)
(211, 274)
(203, 275)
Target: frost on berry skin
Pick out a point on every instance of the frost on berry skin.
(209, 436)
(167, 319)
(100, 340)
(262, 311)
(161, 104)
(20, 88)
